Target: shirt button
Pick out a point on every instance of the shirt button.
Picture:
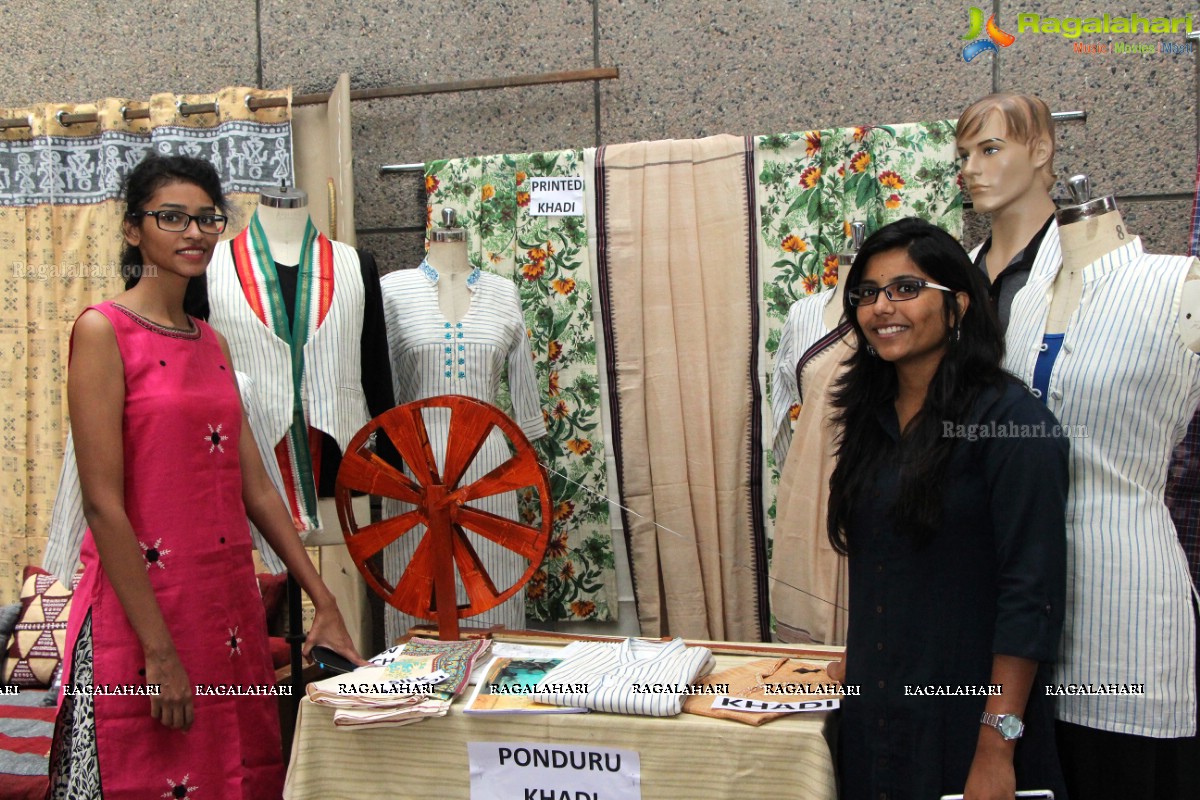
(1056, 395)
(879, 646)
(878, 609)
(1066, 348)
(882, 684)
(1044, 347)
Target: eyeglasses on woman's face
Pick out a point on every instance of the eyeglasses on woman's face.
(178, 221)
(896, 291)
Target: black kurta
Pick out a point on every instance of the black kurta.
(990, 581)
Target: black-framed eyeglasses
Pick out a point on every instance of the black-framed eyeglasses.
(178, 221)
(896, 291)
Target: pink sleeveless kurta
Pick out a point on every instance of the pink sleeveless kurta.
(183, 495)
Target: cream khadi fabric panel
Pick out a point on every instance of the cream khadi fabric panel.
(678, 274)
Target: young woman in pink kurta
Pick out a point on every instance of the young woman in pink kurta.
(170, 473)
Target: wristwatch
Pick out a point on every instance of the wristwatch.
(1010, 725)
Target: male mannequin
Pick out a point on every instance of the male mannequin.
(292, 303)
(1101, 333)
(1006, 144)
(809, 583)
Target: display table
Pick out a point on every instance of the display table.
(687, 756)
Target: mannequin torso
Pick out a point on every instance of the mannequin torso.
(284, 228)
(833, 307)
(1086, 241)
(453, 267)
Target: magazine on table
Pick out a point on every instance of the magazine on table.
(506, 684)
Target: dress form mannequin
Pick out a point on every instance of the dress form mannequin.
(809, 586)
(833, 305)
(304, 318)
(1101, 333)
(809, 320)
(460, 332)
(1091, 229)
(448, 255)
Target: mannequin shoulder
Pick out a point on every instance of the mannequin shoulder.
(400, 279)
(501, 286)
(1189, 308)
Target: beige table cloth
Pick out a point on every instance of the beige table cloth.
(685, 756)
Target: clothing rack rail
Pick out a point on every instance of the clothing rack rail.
(254, 103)
(392, 169)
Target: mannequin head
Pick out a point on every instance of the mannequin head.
(1006, 145)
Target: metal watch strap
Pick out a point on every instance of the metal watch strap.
(997, 720)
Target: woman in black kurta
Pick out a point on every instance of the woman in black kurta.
(955, 534)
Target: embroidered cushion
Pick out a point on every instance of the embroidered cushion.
(39, 638)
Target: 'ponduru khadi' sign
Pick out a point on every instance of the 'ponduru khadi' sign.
(539, 771)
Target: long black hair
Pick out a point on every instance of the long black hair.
(971, 362)
(151, 174)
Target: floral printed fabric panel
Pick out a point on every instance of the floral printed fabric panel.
(812, 185)
(547, 257)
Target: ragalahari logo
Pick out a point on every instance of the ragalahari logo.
(995, 36)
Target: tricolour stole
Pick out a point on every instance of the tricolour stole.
(299, 451)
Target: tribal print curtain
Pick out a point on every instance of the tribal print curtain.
(60, 217)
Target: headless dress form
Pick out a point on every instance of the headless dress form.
(1118, 543)
(444, 343)
(810, 585)
(1087, 236)
(284, 227)
(284, 221)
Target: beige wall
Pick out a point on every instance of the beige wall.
(687, 69)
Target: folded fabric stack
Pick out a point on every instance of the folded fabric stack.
(404, 684)
(770, 680)
(628, 677)
(458, 659)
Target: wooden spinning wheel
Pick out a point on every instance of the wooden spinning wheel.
(427, 586)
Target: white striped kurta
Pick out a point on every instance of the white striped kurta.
(431, 357)
(1128, 385)
(805, 326)
(628, 677)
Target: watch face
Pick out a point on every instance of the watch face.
(1010, 726)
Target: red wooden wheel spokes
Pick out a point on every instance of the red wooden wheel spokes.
(427, 586)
